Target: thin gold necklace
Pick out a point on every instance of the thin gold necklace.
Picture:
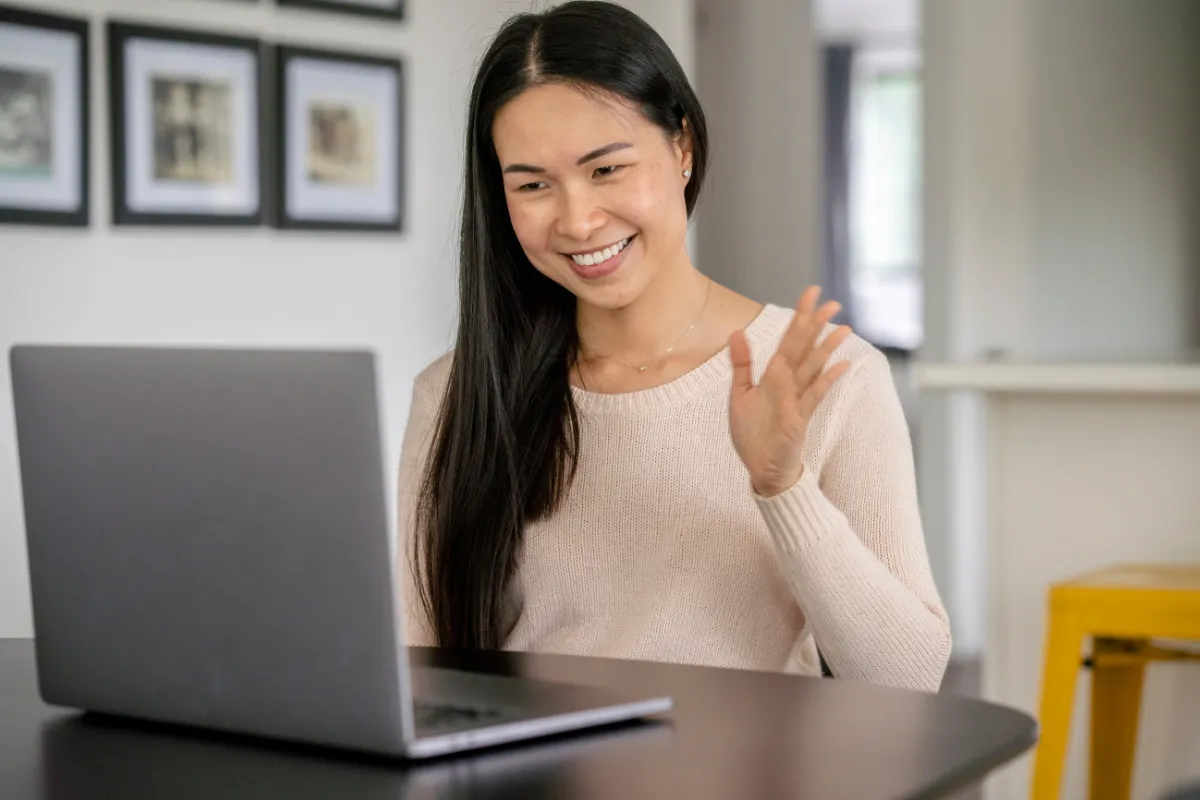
(667, 352)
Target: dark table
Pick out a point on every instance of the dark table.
(733, 734)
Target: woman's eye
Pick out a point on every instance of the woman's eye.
(531, 187)
(606, 171)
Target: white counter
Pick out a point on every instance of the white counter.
(1132, 378)
(1078, 466)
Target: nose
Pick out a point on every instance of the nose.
(579, 215)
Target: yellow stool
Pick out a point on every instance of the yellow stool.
(1121, 609)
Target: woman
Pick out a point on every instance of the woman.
(620, 457)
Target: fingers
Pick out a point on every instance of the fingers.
(807, 324)
(739, 354)
(789, 347)
(808, 300)
(811, 397)
(808, 369)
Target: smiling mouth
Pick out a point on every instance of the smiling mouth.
(600, 256)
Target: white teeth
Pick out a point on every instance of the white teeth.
(592, 259)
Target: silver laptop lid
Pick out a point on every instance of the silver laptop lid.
(208, 539)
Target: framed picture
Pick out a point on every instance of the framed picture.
(43, 119)
(387, 9)
(187, 127)
(341, 126)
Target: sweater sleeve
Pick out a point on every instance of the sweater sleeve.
(414, 451)
(851, 542)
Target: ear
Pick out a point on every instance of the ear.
(684, 147)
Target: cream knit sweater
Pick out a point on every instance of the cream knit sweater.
(662, 551)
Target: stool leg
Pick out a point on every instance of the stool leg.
(1064, 651)
(1116, 705)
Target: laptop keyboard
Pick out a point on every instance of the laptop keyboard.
(429, 715)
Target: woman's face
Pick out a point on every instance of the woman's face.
(594, 191)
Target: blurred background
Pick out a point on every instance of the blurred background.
(1004, 195)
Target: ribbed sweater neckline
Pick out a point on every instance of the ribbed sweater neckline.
(697, 382)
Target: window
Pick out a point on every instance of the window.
(885, 201)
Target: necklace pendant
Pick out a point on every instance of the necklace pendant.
(643, 369)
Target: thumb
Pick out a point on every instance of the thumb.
(739, 355)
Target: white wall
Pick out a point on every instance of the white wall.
(758, 225)
(1115, 109)
(1061, 153)
(395, 294)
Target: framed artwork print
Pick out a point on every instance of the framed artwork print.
(386, 9)
(187, 127)
(341, 126)
(43, 119)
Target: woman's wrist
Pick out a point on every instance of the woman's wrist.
(768, 488)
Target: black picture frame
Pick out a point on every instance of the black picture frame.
(120, 34)
(361, 9)
(15, 212)
(284, 215)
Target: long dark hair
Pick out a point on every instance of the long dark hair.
(507, 437)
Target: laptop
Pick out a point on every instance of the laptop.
(208, 544)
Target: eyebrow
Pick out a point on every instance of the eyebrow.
(592, 156)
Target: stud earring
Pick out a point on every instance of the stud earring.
(687, 173)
